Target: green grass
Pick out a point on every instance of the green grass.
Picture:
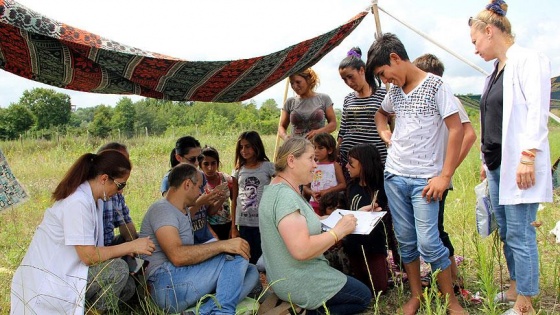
(39, 165)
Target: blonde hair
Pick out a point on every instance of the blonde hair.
(295, 146)
(310, 77)
(494, 14)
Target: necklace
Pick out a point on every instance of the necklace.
(296, 190)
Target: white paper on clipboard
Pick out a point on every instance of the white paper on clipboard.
(366, 220)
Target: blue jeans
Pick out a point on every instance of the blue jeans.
(415, 221)
(353, 298)
(229, 278)
(519, 238)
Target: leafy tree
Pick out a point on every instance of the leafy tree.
(147, 116)
(124, 116)
(49, 107)
(17, 120)
(101, 124)
(269, 110)
(215, 123)
(82, 117)
(247, 118)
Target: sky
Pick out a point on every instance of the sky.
(213, 30)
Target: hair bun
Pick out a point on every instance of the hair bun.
(497, 6)
(354, 52)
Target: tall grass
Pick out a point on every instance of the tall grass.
(39, 165)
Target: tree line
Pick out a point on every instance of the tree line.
(45, 111)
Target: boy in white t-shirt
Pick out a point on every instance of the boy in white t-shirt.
(432, 64)
(419, 165)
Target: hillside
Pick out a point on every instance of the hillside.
(473, 101)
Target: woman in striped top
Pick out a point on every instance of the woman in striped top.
(357, 125)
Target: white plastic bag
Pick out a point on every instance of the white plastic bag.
(485, 222)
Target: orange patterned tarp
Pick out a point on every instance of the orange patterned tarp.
(38, 48)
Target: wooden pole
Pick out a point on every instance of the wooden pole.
(375, 12)
(277, 144)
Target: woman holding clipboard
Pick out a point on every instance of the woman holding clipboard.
(293, 244)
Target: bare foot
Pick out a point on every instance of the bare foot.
(511, 295)
(455, 308)
(525, 309)
(410, 307)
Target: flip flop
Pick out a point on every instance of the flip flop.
(501, 297)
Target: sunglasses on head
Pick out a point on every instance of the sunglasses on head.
(472, 20)
(120, 186)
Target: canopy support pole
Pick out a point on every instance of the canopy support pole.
(277, 143)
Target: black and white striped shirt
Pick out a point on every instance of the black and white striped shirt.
(357, 125)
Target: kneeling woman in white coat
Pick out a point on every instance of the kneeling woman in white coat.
(53, 276)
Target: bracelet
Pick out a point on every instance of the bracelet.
(334, 235)
(528, 153)
(525, 162)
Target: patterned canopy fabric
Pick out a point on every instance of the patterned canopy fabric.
(39, 48)
(12, 193)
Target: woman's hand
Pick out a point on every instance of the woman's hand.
(482, 172)
(525, 176)
(208, 198)
(309, 136)
(346, 225)
(142, 246)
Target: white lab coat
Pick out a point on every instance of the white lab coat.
(524, 126)
(51, 278)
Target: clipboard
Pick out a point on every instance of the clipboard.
(367, 221)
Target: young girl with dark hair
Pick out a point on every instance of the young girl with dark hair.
(366, 184)
(220, 220)
(328, 176)
(66, 263)
(253, 170)
(188, 150)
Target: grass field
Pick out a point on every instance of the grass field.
(39, 165)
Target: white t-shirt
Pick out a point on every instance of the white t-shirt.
(418, 141)
(51, 278)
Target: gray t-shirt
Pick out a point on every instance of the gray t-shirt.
(251, 182)
(162, 213)
(306, 283)
(307, 114)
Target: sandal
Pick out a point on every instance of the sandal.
(426, 280)
(501, 297)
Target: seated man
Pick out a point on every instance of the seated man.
(180, 273)
(115, 212)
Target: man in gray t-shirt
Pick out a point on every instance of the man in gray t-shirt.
(181, 273)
